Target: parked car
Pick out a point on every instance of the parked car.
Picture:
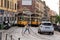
(58, 28)
(55, 27)
(46, 27)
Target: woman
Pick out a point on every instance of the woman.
(27, 28)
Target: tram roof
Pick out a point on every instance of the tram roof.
(22, 14)
(19, 13)
(34, 15)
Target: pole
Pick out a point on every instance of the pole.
(6, 36)
(30, 19)
(11, 37)
(18, 38)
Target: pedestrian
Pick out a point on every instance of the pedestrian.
(27, 29)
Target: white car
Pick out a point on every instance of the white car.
(46, 27)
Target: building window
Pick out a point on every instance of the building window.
(15, 6)
(18, 5)
(10, 5)
(4, 3)
(7, 4)
(1, 3)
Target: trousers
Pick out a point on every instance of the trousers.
(27, 29)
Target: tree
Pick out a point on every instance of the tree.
(57, 19)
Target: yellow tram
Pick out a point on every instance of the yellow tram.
(22, 20)
(35, 20)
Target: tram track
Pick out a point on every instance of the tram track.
(38, 35)
(19, 32)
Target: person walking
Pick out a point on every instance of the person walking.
(27, 29)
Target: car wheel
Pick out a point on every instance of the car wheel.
(38, 32)
(59, 30)
(51, 33)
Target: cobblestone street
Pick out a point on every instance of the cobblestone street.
(17, 32)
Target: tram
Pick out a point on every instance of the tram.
(22, 19)
(35, 22)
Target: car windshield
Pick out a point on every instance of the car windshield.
(48, 24)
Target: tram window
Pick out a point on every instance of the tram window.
(25, 19)
(22, 18)
(19, 18)
(28, 19)
(33, 19)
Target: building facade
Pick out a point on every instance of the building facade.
(8, 9)
(52, 16)
(42, 9)
(26, 5)
(39, 8)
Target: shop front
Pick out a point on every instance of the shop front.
(1, 19)
(9, 17)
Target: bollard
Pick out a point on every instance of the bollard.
(6, 36)
(18, 38)
(0, 35)
(11, 37)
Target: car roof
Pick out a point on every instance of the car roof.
(46, 22)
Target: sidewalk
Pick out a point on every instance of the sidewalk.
(2, 34)
(14, 31)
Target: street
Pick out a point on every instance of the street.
(17, 32)
(25, 13)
